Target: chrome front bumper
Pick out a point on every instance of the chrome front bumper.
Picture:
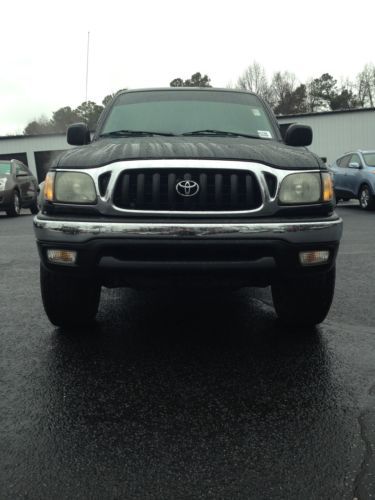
(328, 230)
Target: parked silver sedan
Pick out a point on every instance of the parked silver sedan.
(18, 188)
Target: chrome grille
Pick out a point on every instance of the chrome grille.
(219, 190)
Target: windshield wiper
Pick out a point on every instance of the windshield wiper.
(220, 132)
(134, 133)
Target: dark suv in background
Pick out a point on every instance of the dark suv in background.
(188, 187)
(18, 188)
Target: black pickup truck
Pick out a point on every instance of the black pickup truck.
(188, 187)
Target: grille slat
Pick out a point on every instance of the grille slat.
(140, 183)
(220, 190)
(172, 191)
(203, 191)
(234, 189)
(125, 187)
(156, 190)
(248, 188)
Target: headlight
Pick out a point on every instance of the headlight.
(2, 184)
(74, 187)
(301, 188)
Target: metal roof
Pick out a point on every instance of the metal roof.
(321, 113)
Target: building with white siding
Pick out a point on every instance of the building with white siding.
(335, 133)
(36, 151)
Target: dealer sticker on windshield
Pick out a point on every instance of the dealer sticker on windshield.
(265, 134)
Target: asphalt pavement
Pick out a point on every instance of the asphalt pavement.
(181, 395)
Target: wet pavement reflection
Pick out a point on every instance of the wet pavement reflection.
(182, 395)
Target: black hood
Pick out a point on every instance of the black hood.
(109, 150)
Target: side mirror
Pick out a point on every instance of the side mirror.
(78, 134)
(354, 164)
(298, 135)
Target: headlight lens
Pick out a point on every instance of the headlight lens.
(74, 187)
(301, 188)
(2, 184)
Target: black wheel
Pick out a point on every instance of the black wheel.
(366, 200)
(15, 205)
(304, 301)
(69, 300)
(34, 208)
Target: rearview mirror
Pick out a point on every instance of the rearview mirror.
(21, 174)
(78, 134)
(354, 164)
(298, 135)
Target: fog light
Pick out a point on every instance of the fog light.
(314, 257)
(62, 256)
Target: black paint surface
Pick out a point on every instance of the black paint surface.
(105, 151)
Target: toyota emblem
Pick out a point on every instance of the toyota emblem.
(187, 188)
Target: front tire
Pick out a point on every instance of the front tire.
(366, 200)
(304, 301)
(69, 300)
(15, 205)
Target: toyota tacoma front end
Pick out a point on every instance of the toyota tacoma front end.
(188, 187)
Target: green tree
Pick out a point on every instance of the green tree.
(292, 102)
(89, 113)
(108, 98)
(62, 118)
(177, 82)
(324, 94)
(38, 126)
(282, 85)
(196, 80)
(345, 99)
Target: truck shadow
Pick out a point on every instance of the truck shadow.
(182, 387)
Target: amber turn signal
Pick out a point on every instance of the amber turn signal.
(49, 186)
(327, 187)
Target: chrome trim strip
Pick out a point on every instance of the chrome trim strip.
(106, 204)
(78, 232)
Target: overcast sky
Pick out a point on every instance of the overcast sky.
(147, 43)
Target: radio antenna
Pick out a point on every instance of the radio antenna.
(87, 62)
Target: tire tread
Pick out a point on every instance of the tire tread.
(69, 300)
(304, 301)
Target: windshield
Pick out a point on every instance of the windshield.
(183, 112)
(4, 168)
(370, 159)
